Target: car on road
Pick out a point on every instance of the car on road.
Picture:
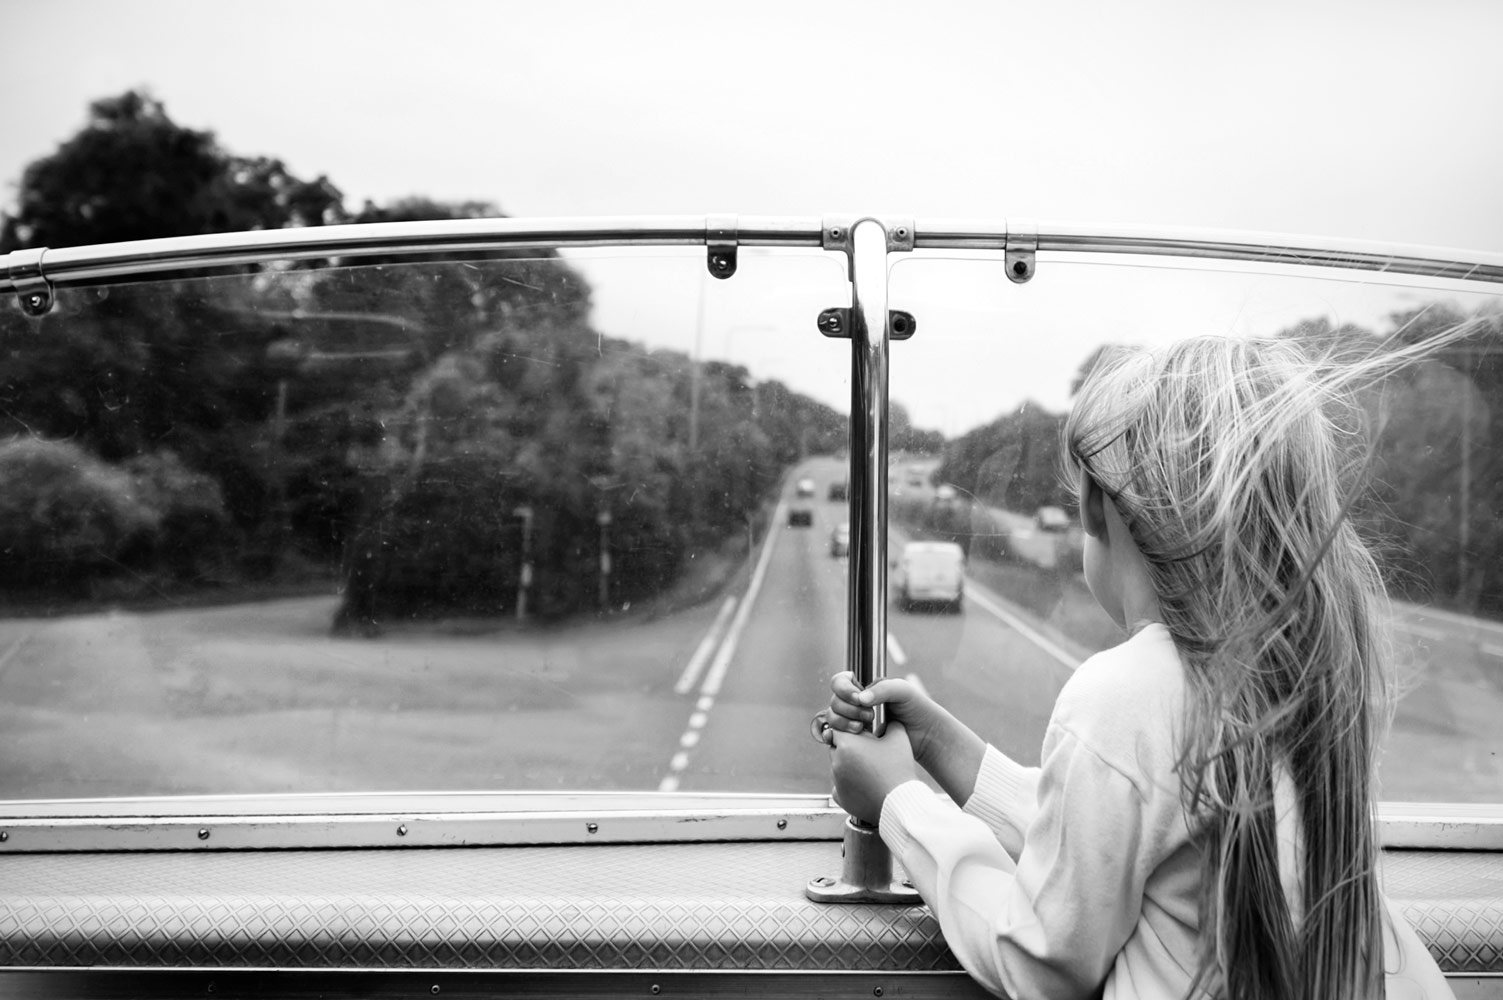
(1052, 519)
(839, 491)
(840, 540)
(805, 487)
(932, 574)
(800, 517)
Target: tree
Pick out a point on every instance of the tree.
(132, 173)
(1012, 462)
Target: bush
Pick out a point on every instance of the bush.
(188, 510)
(65, 515)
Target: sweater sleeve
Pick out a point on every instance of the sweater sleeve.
(1051, 923)
(1005, 798)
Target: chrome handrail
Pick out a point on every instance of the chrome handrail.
(1228, 245)
(65, 266)
(107, 261)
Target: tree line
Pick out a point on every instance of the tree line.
(1429, 499)
(443, 436)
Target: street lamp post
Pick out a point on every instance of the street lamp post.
(524, 579)
(604, 520)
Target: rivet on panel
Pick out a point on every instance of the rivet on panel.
(402, 830)
(592, 827)
(203, 833)
(782, 824)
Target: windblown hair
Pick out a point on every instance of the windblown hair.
(1233, 463)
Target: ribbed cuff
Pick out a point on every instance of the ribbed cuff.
(1006, 794)
(903, 804)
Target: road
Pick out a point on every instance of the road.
(259, 698)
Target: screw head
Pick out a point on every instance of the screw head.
(1020, 267)
(782, 824)
(835, 232)
(876, 991)
(592, 827)
(4, 836)
(203, 833)
(402, 830)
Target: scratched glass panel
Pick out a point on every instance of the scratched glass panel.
(525, 522)
(988, 377)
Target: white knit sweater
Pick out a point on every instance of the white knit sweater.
(1056, 880)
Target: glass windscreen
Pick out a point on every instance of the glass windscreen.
(992, 370)
(501, 523)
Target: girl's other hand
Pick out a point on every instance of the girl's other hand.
(851, 707)
(866, 769)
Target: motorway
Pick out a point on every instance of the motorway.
(259, 698)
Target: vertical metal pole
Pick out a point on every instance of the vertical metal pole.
(868, 475)
(866, 864)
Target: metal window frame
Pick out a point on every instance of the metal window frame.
(331, 820)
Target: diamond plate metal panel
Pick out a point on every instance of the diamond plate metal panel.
(1454, 901)
(661, 906)
(652, 906)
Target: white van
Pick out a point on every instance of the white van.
(931, 573)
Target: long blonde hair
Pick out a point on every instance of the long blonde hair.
(1231, 461)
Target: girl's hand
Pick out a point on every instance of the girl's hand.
(867, 768)
(851, 708)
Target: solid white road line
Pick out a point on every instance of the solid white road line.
(722, 661)
(12, 650)
(707, 645)
(973, 594)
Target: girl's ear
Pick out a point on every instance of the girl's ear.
(1092, 506)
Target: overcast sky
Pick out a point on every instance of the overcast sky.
(1375, 120)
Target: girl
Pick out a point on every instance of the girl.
(1201, 822)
